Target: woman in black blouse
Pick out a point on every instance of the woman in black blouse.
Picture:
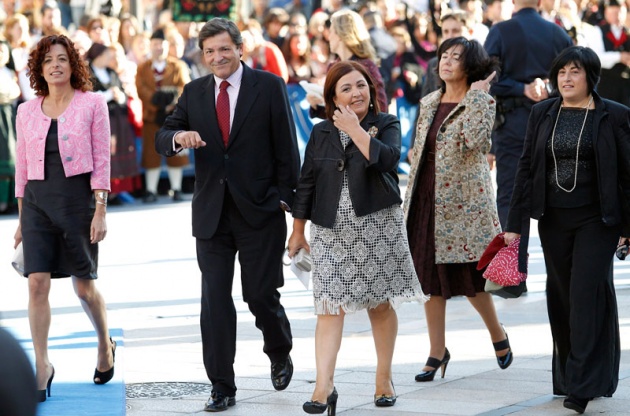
(574, 177)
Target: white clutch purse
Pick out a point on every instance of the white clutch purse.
(300, 264)
(18, 260)
(302, 260)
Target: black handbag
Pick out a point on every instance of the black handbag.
(507, 292)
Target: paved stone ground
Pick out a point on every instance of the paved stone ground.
(150, 280)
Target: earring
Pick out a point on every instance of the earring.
(371, 105)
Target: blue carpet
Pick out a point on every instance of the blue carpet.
(73, 392)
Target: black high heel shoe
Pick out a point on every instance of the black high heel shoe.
(314, 407)
(505, 360)
(105, 376)
(41, 394)
(384, 400)
(435, 363)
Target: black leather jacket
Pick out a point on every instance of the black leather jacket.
(373, 183)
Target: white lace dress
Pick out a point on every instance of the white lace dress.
(362, 262)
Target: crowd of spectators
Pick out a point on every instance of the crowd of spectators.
(288, 38)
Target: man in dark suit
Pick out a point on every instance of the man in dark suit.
(525, 45)
(239, 123)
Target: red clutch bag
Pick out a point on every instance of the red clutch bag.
(501, 262)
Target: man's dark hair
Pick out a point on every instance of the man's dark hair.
(582, 58)
(217, 26)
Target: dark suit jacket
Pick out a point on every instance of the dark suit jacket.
(373, 184)
(611, 130)
(261, 163)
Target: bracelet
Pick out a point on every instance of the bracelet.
(102, 195)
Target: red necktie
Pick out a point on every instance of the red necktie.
(223, 111)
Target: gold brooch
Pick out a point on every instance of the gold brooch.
(373, 131)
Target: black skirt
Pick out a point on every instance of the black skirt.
(56, 219)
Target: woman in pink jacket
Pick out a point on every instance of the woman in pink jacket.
(63, 158)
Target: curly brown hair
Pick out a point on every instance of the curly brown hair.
(80, 78)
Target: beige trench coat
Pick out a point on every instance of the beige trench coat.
(466, 217)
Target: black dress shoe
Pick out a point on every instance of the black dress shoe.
(102, 377)
(505, 360)
(384, 400)
(429, 375)
(575, 403)
(281, 373)
(219, 402)
(41, 394)
(314, 407)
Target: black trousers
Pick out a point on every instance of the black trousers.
(581, 301)
(508, 147)
(260, 256)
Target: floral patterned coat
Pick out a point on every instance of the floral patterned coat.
(466, 217)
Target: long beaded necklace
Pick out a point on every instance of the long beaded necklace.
(577, 151)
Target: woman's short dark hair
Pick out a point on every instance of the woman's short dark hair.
(476, 63)
(80, 78)
(336, 72)
(581, 57)
(218, 25)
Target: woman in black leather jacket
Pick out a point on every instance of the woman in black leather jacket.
(348, 188)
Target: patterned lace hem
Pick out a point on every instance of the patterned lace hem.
(332, 307)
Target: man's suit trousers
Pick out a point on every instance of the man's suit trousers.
(260, 256)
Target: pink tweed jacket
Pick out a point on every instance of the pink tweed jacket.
(84, 140)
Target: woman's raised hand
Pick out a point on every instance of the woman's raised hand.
(345, 119)
(483, 84)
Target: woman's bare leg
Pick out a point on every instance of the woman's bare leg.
(39, 317)
(384, 329)
(94, 306)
